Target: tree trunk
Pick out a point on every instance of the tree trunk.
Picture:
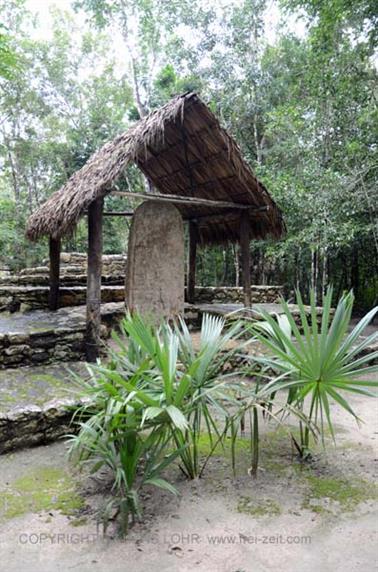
(314, 271)
(225, 267)
(324, 273)
(355, 271)
(235, 253)
(245, 255)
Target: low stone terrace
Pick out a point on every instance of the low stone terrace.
(45, 337)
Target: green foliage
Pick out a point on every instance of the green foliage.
(9, 63)
(328, 17)
(206, 397)
(144, 401)
(321, 362)
(302, 109)
(118, 432)
(193, 382)
(164, 396)
(64, 105)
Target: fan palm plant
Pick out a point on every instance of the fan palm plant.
(209, 394)
(188, 383)
(117, 429)
(156, 390)
(318, 363)
(123, 450)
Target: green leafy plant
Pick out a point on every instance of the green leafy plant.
(124, 426)
(209, 395)
(146, 407)
(123, 452)
(318, 363)
(188, 383)
(260, 401)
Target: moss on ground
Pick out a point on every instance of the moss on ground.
(43, 489)
(327, 494)
(35, 385)
(321, 493)
(221, 450)
(258, 507)
(280, 467)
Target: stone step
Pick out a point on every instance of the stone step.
(66, 280)
(41, 336)
(113, 268)
(17, 297)
(36, 404)
(44, 270)
(81, 258)
(73, 270)
(26, 298)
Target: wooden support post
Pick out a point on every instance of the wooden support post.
(245, 257)
(54, 271)
(191, 281)
(92, 339)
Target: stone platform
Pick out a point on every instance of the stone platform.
(44, 337)
(31, 292)
(26, 298)
(41, 336)
(36, 404)
(237, 311)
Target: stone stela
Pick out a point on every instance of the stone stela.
(155, 276)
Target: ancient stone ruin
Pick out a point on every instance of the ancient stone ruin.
(30, 335)
(155, 276)
(29, 289)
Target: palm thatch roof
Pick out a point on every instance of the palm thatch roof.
(183, 150)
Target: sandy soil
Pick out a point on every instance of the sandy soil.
(214, 525)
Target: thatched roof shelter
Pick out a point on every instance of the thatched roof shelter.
(183, 150)
(191, 161)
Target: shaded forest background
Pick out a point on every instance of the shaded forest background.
(302, 107)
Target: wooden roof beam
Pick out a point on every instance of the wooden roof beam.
(187, 200)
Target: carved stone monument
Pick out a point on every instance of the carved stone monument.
(155, 261)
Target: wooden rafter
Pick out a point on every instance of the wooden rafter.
(179, 199)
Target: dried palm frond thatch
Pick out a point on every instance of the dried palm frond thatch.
(183, 150)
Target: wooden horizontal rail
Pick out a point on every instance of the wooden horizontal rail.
(115, 213)
(118, 213)
(186, 200)
(202, 218)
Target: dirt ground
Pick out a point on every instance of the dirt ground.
(294, 518)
